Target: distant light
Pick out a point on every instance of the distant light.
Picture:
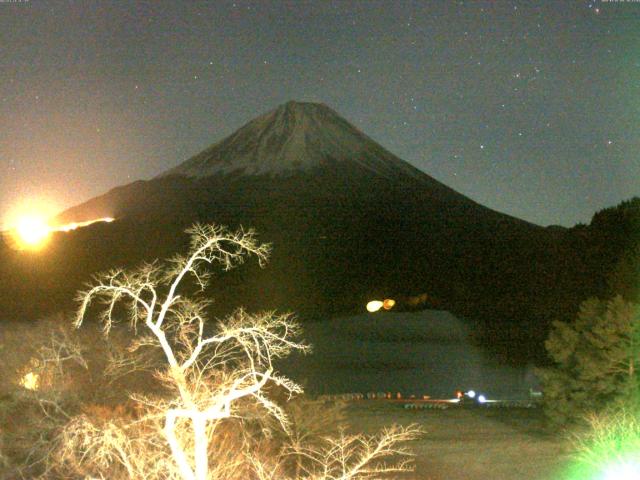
(471, 394)
(30, 381)
(374, 305)
(388, 304)
(482, 399)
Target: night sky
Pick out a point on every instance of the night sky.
(531, 108)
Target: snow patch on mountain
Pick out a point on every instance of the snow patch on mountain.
(294, 137)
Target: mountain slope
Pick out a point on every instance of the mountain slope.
(297, 147)
(348, 221)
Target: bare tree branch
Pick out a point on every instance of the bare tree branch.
(247, 343)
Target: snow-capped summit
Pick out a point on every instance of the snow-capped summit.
(349, 222)
(296, 136)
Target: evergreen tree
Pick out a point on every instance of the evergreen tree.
(624, 278)
(596, 359)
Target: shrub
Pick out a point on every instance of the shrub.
(609, 448)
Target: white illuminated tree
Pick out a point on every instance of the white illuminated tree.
(210, 374)
(214, 379)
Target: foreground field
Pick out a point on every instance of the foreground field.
(471, 443)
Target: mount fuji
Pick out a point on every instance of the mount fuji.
(348, 220)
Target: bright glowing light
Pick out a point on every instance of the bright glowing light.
(30, 381)
(24, 225)
(374, 305)
(31, 231)
(628, 470)
(388, 303)
(611, 451)
(482, 399)
(471, 394)
(75, 225)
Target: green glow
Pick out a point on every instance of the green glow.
(610, 450)
(629, 470)
(619, 469)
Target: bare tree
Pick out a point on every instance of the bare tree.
(350, 456)
(212, 376)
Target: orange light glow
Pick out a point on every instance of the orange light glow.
(75, 225)
(388, 304)
(375, 305)
(32, 232)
